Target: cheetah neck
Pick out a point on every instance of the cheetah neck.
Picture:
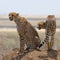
(17, 20)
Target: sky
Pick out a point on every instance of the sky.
(30, 7)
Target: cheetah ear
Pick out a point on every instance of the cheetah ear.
(17, 14)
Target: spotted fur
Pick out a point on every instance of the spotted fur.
(50, 29)
(28, 35)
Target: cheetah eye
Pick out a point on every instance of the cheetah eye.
(12, 15)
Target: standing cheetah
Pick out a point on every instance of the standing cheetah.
(50, 28)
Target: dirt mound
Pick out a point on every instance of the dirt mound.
(34, 55)
(41, 55)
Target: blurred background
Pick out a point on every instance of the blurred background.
(34, 11)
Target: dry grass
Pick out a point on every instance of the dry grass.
(10, 40)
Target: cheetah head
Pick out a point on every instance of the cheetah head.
(13, 16)
(41, 25)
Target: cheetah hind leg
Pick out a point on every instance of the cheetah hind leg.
(28, 49)
(20, 56)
